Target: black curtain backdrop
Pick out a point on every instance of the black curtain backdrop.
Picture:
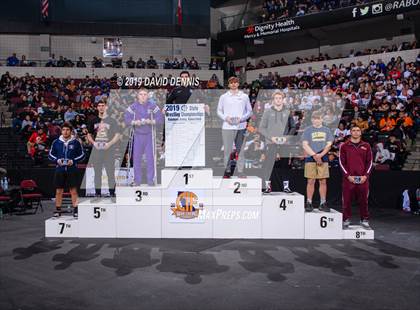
(386, 187)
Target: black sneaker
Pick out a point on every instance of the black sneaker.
(267, 190)
(226, 175)
(75, 212)
(57, 212)
(324, 207)
(309, 207)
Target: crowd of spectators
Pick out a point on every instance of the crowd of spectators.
(97, 62)
(381, 98)
(322, 57)
(277, 9)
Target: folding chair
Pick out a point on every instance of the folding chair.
(31, 196)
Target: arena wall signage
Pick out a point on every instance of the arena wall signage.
(376, 9)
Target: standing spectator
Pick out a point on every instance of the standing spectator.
(12, 61)
(356, 165)
(317, 140)
(66, 152)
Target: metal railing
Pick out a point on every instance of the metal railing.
(106, 63)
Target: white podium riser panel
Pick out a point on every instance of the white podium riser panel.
(97, 220)
(231, 221)
(139, 221)
(64, 226)
(139, 195)
(283, 216)
(323, 225)
(237, 191)
(187, 178)
(358, 232)
(180, 222)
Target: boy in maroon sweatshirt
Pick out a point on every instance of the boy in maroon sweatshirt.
(356, 165)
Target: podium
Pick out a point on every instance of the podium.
(282, 215)
(62, 227)
(192, 203)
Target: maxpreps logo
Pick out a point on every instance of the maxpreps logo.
(186, 206)
(360, 11)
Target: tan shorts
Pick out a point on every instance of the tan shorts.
(313, 171)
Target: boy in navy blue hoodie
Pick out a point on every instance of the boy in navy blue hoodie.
(66, 152)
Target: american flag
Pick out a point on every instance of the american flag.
(45, 8)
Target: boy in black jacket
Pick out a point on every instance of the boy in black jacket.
(65, 152)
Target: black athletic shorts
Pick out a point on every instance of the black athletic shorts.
(66, 179)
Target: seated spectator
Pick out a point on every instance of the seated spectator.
(193, 64)
(387, 123)
(249, 66)
(61, 62)
(116, 62)
(213, 65)
(27, 122)
(397, 152)
(39, 152)
(167, 64)
(52, 62)
(33, 139)
(130, 63)
(176, 64)
(383, 156)
(12, 61)
(69, 115)
(361, 123)
(341, 132)
(80, 63)
(140, 64)
(23, 62)
(151, 63)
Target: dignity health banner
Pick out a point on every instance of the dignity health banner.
(364, 11)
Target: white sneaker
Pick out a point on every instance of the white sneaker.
(287, 190)
(346, 224)
(365, 224)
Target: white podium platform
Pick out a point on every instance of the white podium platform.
(63, 227)
(283, 216)
(187, 178)
(97, 220)
(358, 232)
(191, 203)
(237, 191)
(323, 225)
(238, 222)
(139, 195)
